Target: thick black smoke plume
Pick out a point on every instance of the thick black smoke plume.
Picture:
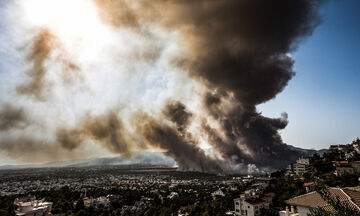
(235, 51)
(239, 50)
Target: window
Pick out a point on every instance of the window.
(237, 203)
(248, 206)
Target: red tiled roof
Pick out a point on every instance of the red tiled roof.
(309, 184)
(341, 162)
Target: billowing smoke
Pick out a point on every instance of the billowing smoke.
(181, 77)
(107, 129)
(12, 117)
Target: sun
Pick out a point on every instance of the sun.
(67, 19)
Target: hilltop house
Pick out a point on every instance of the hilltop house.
(343, 168)
(356, 166)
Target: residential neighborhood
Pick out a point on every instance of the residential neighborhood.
(307, 185)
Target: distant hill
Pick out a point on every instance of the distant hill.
(307, 151)
(142, 159)
(145, 158)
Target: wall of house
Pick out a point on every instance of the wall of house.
(237, 207)
(303, 211)
(252, 210)
(248, 208)
(257, 211)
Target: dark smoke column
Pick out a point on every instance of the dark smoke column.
(239, 50)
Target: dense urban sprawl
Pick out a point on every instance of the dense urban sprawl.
(316, 185)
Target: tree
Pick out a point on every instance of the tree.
(3, 213)
(82, 213)
(79, 205)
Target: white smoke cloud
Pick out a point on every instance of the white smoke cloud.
(101, 77)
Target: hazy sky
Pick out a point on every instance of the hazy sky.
(97, 78)
(323, 99)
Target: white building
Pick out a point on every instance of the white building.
(287, 212)
(172, 195)
(299, 167)
(33, 208)
(217, 194)
(251, 202)
(97, 202)
(250, 207)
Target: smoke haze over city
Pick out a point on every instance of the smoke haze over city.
(97, 78)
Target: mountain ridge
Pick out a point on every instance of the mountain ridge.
(144, 158)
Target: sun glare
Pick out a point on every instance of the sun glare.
(68, 19)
